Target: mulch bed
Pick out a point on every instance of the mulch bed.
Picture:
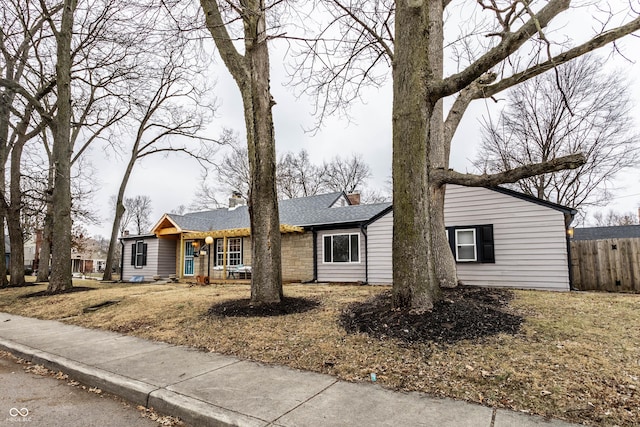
(463, 313)
(68, 291)
(244, 308)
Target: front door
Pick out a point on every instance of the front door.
(188, 258)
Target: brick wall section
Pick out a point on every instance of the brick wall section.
(297, 257)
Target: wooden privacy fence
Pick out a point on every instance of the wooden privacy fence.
(611, 265)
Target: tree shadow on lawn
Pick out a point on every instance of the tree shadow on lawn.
(67, 291)
(463, 313)
(244, 308)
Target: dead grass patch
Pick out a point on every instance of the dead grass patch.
(576, 356)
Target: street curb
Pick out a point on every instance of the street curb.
(193, 411)
(198, 413)
(134, 391)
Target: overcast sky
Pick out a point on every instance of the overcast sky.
(172, 181)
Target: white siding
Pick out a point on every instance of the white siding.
(340, 272)
(166, 258)
(340, 202)
(529, 239)
(149, 270)
(379, 238)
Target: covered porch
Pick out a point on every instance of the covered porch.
(219, 256)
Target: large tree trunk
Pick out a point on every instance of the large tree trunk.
(119, 212)
(422, 259)
(414, 276)
(5, 104)
(3, 261)
(266, 277)
(45, 248)
(113, 240)
(62, 149)
(439, 150)
(44, 257)
(251, 73)
(16, 265)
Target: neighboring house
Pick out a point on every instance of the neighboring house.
(30, 253)
(499, 238)
(89, 257)
(606, 258)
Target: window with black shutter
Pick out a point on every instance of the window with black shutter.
(472, 243)
(139, 254)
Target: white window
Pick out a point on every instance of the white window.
(234, 251)
(466, 245)
(341, 248)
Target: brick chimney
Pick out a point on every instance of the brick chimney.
(236, 200)
(354, 198)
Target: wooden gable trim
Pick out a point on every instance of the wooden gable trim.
(166, 226)
(237, 232)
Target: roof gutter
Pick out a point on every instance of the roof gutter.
(568, 219)
(363, 229)
(121, 260)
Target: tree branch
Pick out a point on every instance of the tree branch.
(387, 49)
(572, 161)
(230, 55)
(509, 44)
(591, 45)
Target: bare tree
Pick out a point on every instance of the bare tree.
(579, 108)
(140, 209)
(24, 83)
(251, 73)
(166, 115)
(60, 279)
(508, 45)
(297, 176)
(346, 174)
(612, 218)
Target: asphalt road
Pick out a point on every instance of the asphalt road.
(27, 399)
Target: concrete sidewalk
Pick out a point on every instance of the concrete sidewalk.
(209, 389)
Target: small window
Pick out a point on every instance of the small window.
(139, 254)
(466, 245)
(472, 243)
(342, 248)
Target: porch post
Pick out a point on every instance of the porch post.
(181, 258)
(224, 258)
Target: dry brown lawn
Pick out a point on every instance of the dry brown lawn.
(576, 356)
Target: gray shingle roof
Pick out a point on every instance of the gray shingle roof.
(598, 233)
(304, 211)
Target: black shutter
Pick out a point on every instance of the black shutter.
(451, 232)
(133, 254)
(144, 254)
(215, 252)
(484, 243)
